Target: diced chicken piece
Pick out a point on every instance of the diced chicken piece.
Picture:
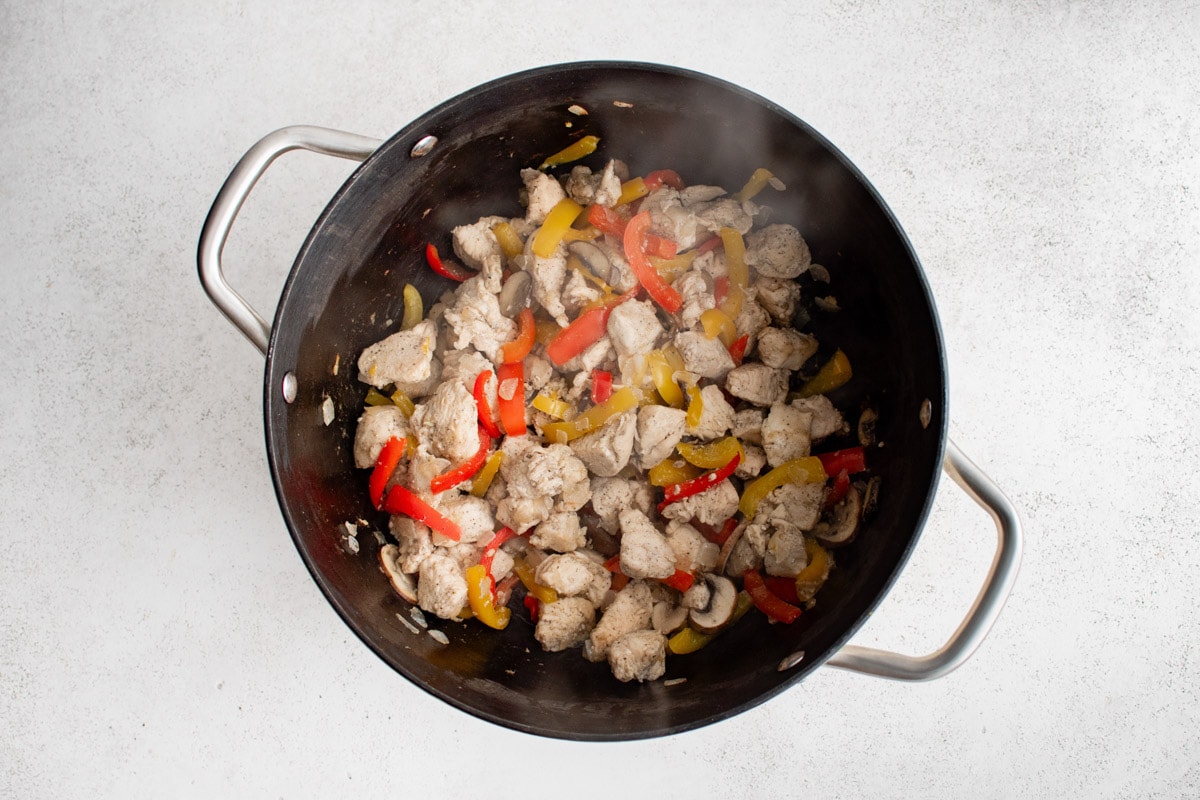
(447, 424)
(705, 357)
(586, 187)
(577, 292)
(779, 298)
(464, 366)
(611, 495)
(413, 541)
(699, 193)
(560, 533)
(533, 476)
(758, 384)
(826, 420)
(659, 429)
(711, 507)
(785, 555)
(538, 372)
(797, 504)
(723, 213)
(476, 320)
(606, 451)
(716, 415)
(693, 552)
(475, 242)
(609, 189)
(748, 551)
(785, 433)
(442, 585)
(564, 623)
(645, 552)
(754, 458)
(747, 425)
(591, 358)
(423, 467)
(698, 595)
(522, 513)
(473, 515)
(491, 274)
(640, 656)
(402, 357)
(695, 289)
(634, 328)
(751, 321)
(574, 575)
(629, 611)
(786, 512)
(778, 251)
(785, 348)
(620, 277)
(376, 425)
(544, 194)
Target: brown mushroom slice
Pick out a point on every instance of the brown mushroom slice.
(721, 605)
(842, 521)
(403, 584)
(593, 258)
(668, 617)
(515, 294)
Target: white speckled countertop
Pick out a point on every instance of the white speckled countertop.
(159, 635)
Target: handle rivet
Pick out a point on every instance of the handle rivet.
(423, 146)
(289, 387)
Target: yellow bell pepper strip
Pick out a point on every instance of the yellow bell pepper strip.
(669, 471)
(833, 373)
(602, 385)
(526, 574)
(663, 375)
(546, 330)
(465, 470)
(631, 190)
(483, 479)
(732, 304)
(672, 268)
(711, 455)
(557, 222)
(695, 409)
(689, 640)
(735, 257)
(813, 576)
(758, 181)
(414, 308)
(404, 403)
(559, 409)
(799, 470)
(510, 241)
(447, 269)
(518, 348)
(481, 595)
(376, 398)
(659, 290)
(482, 409)
(587, 329)
(663, 177)
(510, 396)
(385, 465)
(766, 601)
(737, 350)
(562, 432)
(574, 264)
(679, 491)
(401, 501)
(716, 323)
(581, 147)
(588, 234)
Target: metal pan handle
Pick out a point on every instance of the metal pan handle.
(233, 194)
(979, 619)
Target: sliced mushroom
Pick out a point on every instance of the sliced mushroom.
(842, 521)
(593, 258)
(668, 617)
(720, 608)
(515, 294)
(403, 584)
(866, 426)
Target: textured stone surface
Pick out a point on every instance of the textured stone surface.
(159, 636)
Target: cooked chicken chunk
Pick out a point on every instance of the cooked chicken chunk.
(606, 451)
(693, 553)
(564, 623)
(413, 541)
(634, 328)
(376, 425)
(659, 429)
(561, 533)
(754, 458)
(645, 552)
(826, 420)
(785, 433)
(639, 655)
(475, 242)
(703, 356)
(712, 506)
(464, 366)
(577, 293)
(716, 415)
(472, 514)
(785, 553)
(447, 424)
(785, 348)
(758, 384)
(574, 575)
(549, 274)
(584, 186)
(534, 476)
(442, 585)
(611, 495)
(476, 320)
(402, 357)
(544, 194)
(779, 298)
(778, 251)
(629, 611)
(695, 288)
(747, 425)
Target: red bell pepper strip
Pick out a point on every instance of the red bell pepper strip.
(841, 485)
(737, 350)
(720, 289)
(607, 221)
(659, 290)
(385, 465)
(581, 334)
(680, 580)
(452, 271)
(602, 383)
(678, 491)
(481, 405)
(783, 588)
(456, 475)
(489, 549)
(766, 602)
(518, 348)
(401, 501)
(512, 407)
(708, 244)
(660, 247)
(715, 535)
(531, 605)
(852, 459)
(663, 177)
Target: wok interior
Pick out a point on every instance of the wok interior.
(345, 293)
